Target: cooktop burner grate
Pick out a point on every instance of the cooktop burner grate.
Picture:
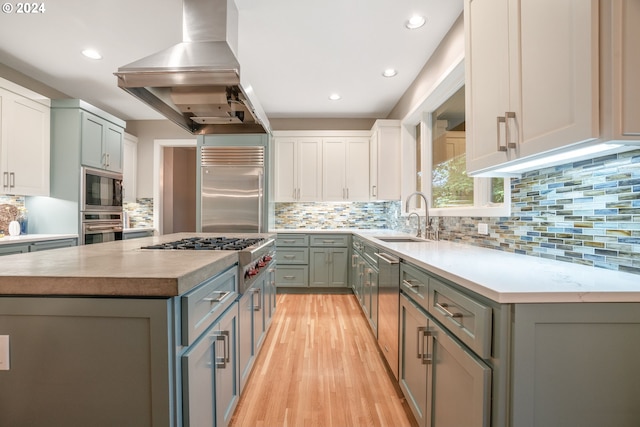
(208, 243)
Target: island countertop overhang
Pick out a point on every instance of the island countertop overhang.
(118, 268)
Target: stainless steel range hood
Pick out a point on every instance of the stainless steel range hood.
(197, 83)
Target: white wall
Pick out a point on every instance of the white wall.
(147, 132)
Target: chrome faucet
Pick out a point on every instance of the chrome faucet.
(409, 218)
(427, 223)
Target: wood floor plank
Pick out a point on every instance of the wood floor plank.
(320, 366)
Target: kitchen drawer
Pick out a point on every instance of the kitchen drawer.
(292, 240)
(52, 244)
(293, 256)
(203, 304)
(330, 240)
(415, 284)
(466, 318)
(370, 254)
(292, 275)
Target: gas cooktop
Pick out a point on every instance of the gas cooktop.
(208, 243)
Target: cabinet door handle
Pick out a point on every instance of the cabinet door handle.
(509, 115)
(422, 354)
(259, 306)
(501, 119)
(373, 191)
(347, 193)
(5, 179)
(221, 362)
(444, 307)
(12, 179)
(353, 260)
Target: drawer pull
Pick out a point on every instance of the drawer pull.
(288, 241)
(409, 283)
(221, 295)
(289, 277)
(444, 307)
(289, 256)
(328, 241)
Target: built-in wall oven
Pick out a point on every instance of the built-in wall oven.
(99, 227)
(100, 206)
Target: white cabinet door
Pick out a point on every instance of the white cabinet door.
(309, 169)
(25, 145)
(285, 186)
(532, 78)
(334, 160)
(345, 174)
(357, 169)
(384, 164)
(297, 169)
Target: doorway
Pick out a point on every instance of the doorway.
(179, 189)
(174, 185)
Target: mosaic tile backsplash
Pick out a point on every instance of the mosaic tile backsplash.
(586, 212)
(140, 213)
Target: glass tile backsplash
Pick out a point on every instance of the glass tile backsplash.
(586, 212)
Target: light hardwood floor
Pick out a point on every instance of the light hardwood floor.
(319, 366)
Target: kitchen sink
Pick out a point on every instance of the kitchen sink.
(398, 239)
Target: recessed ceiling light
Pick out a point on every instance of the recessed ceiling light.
(334, 97)
(416, 21)
(389, 72)
(92, 53)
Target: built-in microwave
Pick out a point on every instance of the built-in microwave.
(101, 190)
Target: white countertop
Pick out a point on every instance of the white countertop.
(507, 277)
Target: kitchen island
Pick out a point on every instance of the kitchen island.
(107, 334)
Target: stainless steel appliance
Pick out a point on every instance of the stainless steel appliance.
(99, 227)
(232, 189)
(256, 255)
(389, 307)
(100, 190)
(197, 83)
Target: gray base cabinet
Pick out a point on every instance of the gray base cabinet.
(96, 362)
(293, 260)
(44, 245)
(576, 365)
(210, 372)
(328, 267)
(445, 384)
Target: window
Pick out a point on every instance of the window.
(440, 162)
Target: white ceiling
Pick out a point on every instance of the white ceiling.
(293, 52)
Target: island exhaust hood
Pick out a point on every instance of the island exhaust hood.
(197, 83)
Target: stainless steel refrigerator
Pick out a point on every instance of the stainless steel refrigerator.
(232, 189)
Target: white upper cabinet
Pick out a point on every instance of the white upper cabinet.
(345, 175)
(24, 142)
(298, 169)
(130, 167)
(619, 65)
(384, 164)
(532, 80)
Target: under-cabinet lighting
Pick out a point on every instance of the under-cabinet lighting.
(558, 158)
